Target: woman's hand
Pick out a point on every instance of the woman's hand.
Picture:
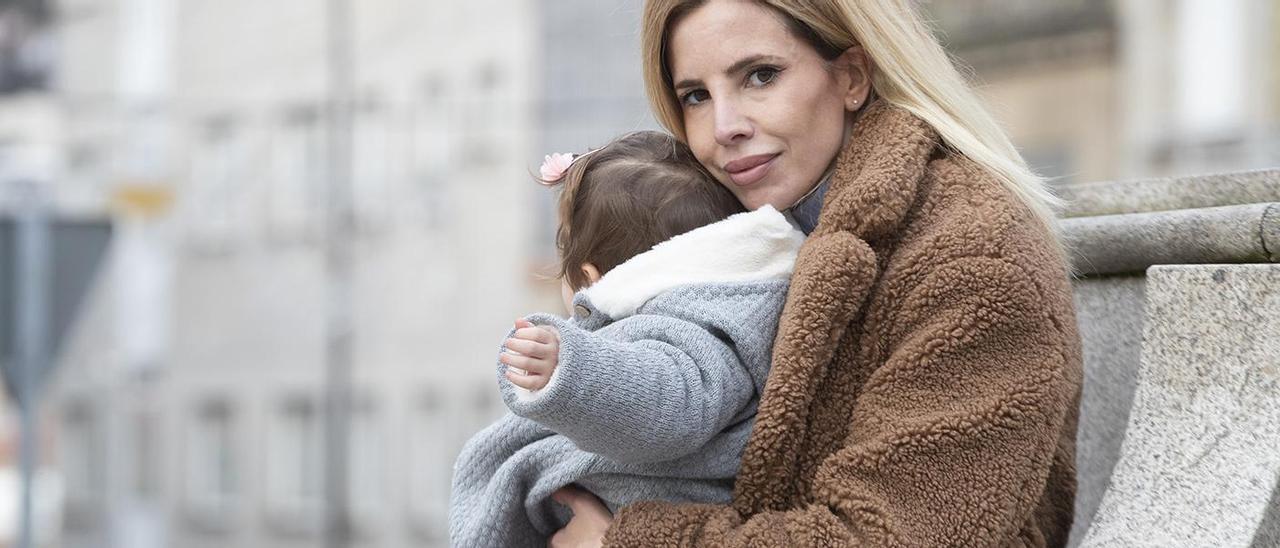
(591, 519)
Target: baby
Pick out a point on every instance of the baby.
(649, 389)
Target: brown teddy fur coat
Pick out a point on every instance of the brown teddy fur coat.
(926, 374)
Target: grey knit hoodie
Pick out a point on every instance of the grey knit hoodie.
(659, 374)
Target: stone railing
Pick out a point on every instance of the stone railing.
(1178, 299)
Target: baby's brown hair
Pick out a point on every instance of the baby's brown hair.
(619, 201)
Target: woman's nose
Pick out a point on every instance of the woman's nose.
(731, 125)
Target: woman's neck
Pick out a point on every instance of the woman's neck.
(807, 209)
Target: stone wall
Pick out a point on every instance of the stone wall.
(1178, 297)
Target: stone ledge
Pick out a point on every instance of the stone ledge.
(1173, 193)
(1113, 244)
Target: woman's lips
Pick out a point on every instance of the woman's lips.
(746, 171)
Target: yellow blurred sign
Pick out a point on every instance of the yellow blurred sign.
(142, 199)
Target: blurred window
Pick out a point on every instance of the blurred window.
(146, 476)
(82, 463)
(295, 195)
(486, 407)
(378, 158)
(366, 476)
(489, 77)
(294, 461)
(1210, 67)
(485, 115)
(212, 480)
(433, 155)
(217, 171)
(26, 47)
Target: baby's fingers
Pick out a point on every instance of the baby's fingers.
(529, 348)
(535, 333)
(533, 365)
(527, 382)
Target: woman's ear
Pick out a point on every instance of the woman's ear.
(591, 272)
(856, 67)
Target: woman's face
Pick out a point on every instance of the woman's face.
(762, 110)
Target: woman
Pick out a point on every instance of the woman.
(926, 374)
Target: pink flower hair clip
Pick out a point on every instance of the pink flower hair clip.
(554, 167)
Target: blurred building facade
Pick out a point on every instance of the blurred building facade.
(190, 404)
(1094, 90)
(189, 399)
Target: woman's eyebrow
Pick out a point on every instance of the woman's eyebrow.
(748, 61)
(687, 83)
(736, 67)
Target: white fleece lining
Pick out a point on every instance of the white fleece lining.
(527, 396)
(751, 246)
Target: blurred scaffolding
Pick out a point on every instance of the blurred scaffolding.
(187, 408)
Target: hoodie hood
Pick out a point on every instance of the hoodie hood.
(746, 247)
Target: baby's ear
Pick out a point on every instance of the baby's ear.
(591, 272)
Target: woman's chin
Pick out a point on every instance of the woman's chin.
(757, 201)
(753, 205)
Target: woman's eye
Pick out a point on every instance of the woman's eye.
(762, 76)
(694, 97)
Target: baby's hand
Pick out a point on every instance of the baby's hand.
(531, 355)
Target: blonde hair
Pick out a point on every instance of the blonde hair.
(911, 71)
